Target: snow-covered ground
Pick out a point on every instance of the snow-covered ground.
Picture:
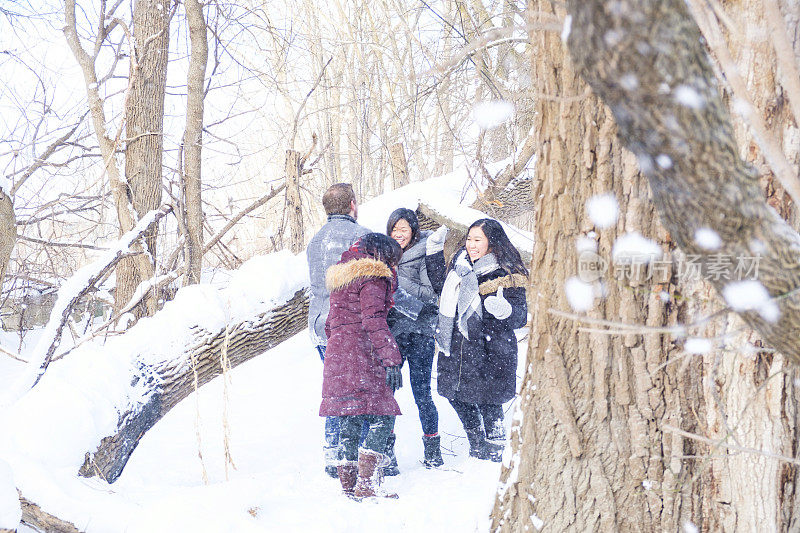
(278, 483)
(266, 414)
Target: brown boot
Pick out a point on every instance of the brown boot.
(368, 484)
(348, 473)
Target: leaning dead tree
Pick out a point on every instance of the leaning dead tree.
(508, 193)
(174, 379)
(95, 273)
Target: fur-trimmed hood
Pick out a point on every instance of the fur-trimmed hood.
(507, 282)
(342, 274)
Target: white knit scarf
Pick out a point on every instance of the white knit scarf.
(461, 298)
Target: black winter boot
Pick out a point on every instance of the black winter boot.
(433, 451)
(496, 442)
(494, 451)
(477, 442)
(392, 469)
(479, 448)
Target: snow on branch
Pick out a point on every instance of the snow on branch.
(72, 290)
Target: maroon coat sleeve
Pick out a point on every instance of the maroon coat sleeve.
(374, 306)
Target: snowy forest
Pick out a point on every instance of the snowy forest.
(163, 166)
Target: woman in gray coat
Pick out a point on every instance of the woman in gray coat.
(413, 322)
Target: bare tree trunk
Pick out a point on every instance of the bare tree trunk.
(591, 403)
(144, 132)
(444, 156)
(140, 265)
(746, 411)
(193, 140)
(294, 207)
(8, 232)
(399, 167)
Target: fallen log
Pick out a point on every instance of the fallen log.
(38, 519)
(173, 380)
(431, 218)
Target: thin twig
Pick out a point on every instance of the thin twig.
(734, 447)
(627, 328)
(303, 104)
(61, 244)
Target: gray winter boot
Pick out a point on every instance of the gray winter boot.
(392, 469)
(332, 460)
(433, 451)
(496, 440)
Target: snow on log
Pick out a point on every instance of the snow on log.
(161, 384)
(173, 380)
(38, 519)
(459, 217)
(106, 393)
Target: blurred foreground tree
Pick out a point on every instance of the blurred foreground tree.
(619, 430)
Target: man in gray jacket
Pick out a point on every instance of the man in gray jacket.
(324, 250)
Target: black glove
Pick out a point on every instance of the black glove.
(394, 379)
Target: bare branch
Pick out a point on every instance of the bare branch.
(42, 159)
(258, 203)
(61, 244)
(303, 104)
(89, 283)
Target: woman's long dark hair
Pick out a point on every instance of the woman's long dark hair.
(506, 254)
(381, 247)
(409, 216)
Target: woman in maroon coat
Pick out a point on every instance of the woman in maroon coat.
(362, 361)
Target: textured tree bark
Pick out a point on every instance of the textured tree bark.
(588, 451)
(752, 410)
(8, 232)
(144, 133)
(40, 520)
(174, 379)
(656, 77)
(508, 196)
(294, 207)
(646, 61)
(193, 140)
(108, 146)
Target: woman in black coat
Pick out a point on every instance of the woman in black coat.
(413, 321)
(482, 303)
